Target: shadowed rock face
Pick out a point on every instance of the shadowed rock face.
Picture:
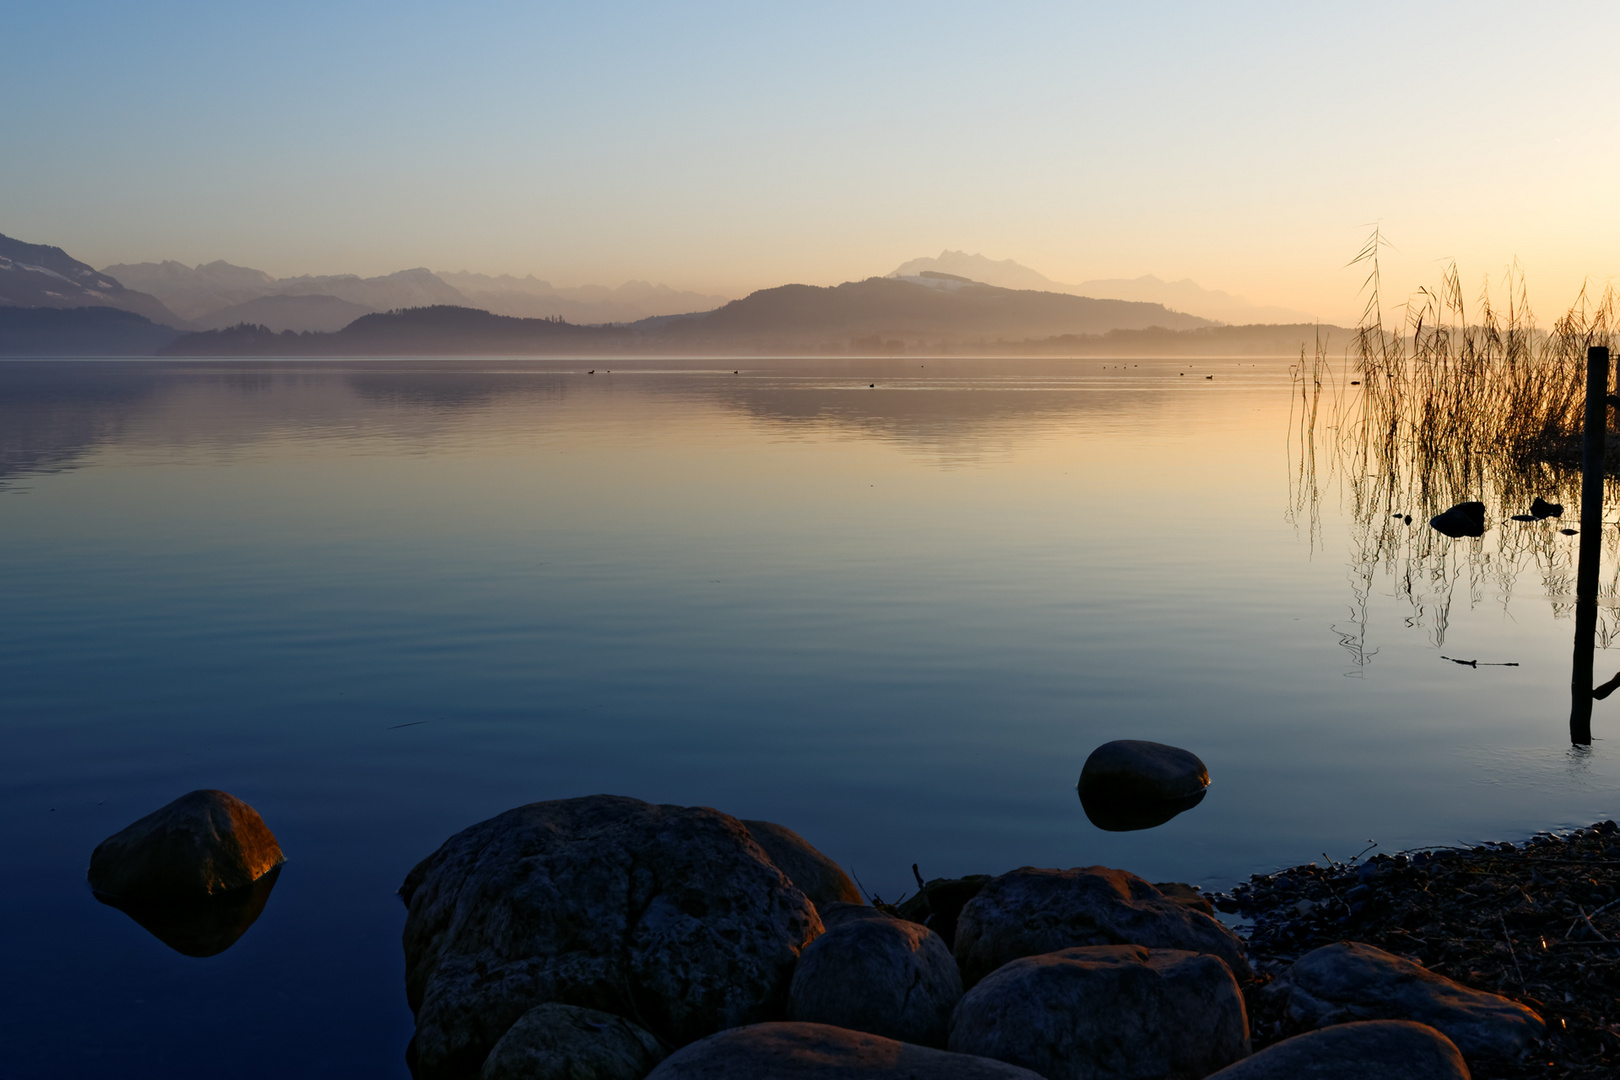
(874, 973)
(1028, 912)
(203, 844)
(1353, 981)
(1381, 1049)
(669, 916)
(792, 1051)
(1112, 1012)
(564, 1042)
(817, 876)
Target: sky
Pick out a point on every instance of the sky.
(726, 147)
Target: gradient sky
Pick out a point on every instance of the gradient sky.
(727, 147)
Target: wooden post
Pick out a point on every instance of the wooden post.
(1591, 546)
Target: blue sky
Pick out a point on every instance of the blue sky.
(727, 147)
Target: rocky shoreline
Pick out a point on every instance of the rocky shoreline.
(612, 939)
(1536, 922)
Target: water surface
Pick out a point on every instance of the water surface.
(892, 604)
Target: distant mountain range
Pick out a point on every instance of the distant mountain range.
(218, 294)
(36, 275)
(55, 305)
(1184, 295)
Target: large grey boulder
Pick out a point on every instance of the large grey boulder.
(1369, 1050)
(201, 845)
(1353, 981)
(1107, 1012)
(793, 1051)
(565, 1042)
(817, 876)
(1136, 769)
(874, 973)
(1028, 912)
(669, 916)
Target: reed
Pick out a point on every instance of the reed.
(1455, 401)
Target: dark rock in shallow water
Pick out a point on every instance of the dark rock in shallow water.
(1541, 508)
(203, 844)
(1029, 912)
(1134, 784)
(1112, 1012)
(875, 973)
(564, 1042)
(1369, 1050)
(817, 876)
(822, 1052)
(670, 916)
(1138, 770)
(1353, 981)
(205, 927)
(1464, 519)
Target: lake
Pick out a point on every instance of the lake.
(892, 604)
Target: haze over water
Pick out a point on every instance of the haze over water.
(381, 601)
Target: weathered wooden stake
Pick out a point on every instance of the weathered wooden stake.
(1591, 547)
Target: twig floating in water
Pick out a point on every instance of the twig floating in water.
(1485, 663)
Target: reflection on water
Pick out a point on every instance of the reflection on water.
(206, 927)
(1113, 815)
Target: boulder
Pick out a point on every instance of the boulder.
(875, 973)
(1028, 912)
(669, 916)
(201, 845)
(1188, 896)
(1385, 1049)
(1352, 981)
(1141, 771)
(1464, 519)
(1107, 1012)
(565, 1042)
(817, 876)
(795, 1051)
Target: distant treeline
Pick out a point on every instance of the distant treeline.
(461, 331)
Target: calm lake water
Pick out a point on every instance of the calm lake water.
(381, 601)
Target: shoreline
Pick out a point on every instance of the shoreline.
(1537, 922)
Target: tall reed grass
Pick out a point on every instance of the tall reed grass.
(1455, 402)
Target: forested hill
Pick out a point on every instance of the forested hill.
(440, 330)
